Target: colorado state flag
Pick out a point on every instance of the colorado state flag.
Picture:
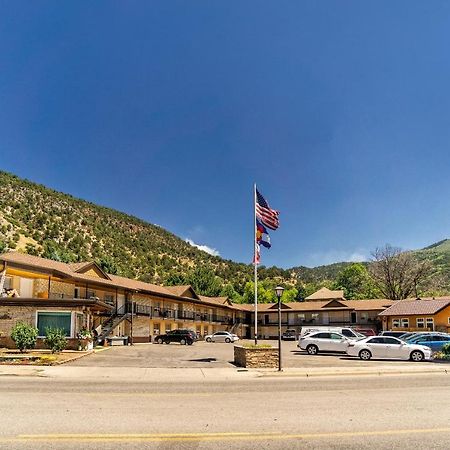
(262, 236)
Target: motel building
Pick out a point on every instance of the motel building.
(47, 293)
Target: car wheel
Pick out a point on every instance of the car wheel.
(208, 339)
(365, 355)
(227, 340)
(183, 342)
(312, 349)
(166, 342)
(159, 341)
(190, 342)
(417, 356)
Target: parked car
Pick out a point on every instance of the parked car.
(323, 341)
(366, 331)
(397, 334)
(222, 336)
(182, 336)
(387, 347)
(433, 340)
(346, 331)
(289, 335)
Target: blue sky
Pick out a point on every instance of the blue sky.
(171, 110)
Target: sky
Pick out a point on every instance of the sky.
(172, 110)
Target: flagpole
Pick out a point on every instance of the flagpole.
(256, 266)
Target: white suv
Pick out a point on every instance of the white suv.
(323, 341)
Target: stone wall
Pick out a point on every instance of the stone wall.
(256, 357)
(10, 315)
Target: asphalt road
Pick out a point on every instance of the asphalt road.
(365, 412)
(210, 355)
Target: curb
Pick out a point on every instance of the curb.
(59, 363)
(347, 374)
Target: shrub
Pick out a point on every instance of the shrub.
(24, 336)
(446, 349)
(55, 339)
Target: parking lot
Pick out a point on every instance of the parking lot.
(203, 355)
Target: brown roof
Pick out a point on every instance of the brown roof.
(180, 290)
(69, 270)
(325, 294)
(137, 285)
(416, 306)
(369, 305)
(357, 305)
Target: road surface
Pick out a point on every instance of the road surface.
(351, 412)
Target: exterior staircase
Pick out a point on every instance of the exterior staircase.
(116, 318)
(234, 327)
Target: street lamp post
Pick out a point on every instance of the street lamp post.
(279, 292)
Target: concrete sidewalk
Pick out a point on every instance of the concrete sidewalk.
(173, 375)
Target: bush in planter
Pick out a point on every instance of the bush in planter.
(446, 350)
(24, 336)
(55, 339)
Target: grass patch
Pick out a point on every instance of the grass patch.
(257, 346)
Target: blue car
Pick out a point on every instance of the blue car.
(433, 340)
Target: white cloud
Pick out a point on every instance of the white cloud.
(334, 256)
(204, 248)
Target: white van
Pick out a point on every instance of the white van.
(347, 332)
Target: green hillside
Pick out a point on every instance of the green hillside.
(43, 222)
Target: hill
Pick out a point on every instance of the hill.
(40, 221)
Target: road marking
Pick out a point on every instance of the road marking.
(178, 437)
(150, 394)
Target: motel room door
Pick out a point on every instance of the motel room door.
(325, 318)
(26, 287)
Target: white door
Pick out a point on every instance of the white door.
(26, 287)
(377, 347)
(394, 348)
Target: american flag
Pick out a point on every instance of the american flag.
(268, 216)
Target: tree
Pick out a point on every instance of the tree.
(397, 274)
(108, 265)
(24, 336)
(355, 282)
(55, 339)
(204, 282)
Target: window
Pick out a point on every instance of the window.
(376, 340)
(109, 298)
(8, 283)
(391, 340)
(336, 336)
(420, 322)
(314, 316)
(430, 322)
(54, 320)
(449, 320)
(302, 317)
(405, 322)
(321, 336)
(395, 323)
(347, 332)
(364, 316)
